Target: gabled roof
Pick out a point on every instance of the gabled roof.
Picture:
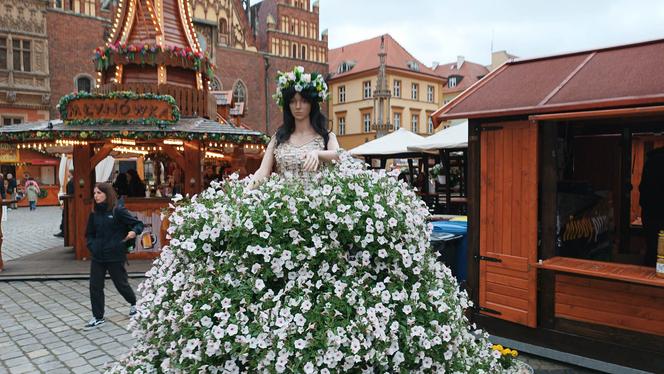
(470, 72)
(613, 77)
(364, 55)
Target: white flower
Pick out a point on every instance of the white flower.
(407, 309)
(309, 368)
(231, 330)
(298, 87)
(299, 69)
(259, 285)
(300, 344)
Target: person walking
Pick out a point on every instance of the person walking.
(110, 227)
(11, 190)
(69, 191)
(32, 192)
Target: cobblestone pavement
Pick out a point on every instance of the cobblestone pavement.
(42, 328)
(27, 232)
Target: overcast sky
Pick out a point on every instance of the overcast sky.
(439, 30)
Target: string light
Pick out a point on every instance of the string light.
(130, 150)
(209, 154)
(123, 141)
(173, 142)
(67, 142)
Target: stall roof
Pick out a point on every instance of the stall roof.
(195, 126)
(452, 137)
(613, 77)
(396, 142)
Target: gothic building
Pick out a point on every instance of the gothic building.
(248, 45)
(24, 70)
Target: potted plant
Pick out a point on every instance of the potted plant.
(437, 172)
(507, 359)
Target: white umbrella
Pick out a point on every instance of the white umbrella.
(452, 137)
(390, 144)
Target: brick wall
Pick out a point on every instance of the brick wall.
(71, 40)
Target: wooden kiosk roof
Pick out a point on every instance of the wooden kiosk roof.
(613, 77)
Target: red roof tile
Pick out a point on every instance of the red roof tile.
(610, 77)
(364, 55)
(470, 72)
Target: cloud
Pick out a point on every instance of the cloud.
(439, 30)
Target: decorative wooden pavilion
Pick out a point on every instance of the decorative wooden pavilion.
(152, 98)
(556, 149)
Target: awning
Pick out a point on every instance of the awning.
(452, 137)
(394, 143)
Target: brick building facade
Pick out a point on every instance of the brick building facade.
(226, 30)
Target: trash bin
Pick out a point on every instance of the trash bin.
(446, 245)
(461, 259)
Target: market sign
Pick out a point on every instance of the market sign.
(8, 153)
(118, 108)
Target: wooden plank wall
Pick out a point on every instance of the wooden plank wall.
(610, 303)
(508, 220)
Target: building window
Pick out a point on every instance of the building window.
(294, 51)
(430, 94)
(3, 53)
(304, 53)
(90, 7)
(83, 84)
(414, 121)
(452, 82)
(58, 4)
(345, 66)
(215, 85)
(430, 125)
(397, 88)
(367, 122)
(342, 125)
(239, 92)
(8, 121)
(21, 50)
(397, 121)
(106, 4)
(342, 94)
(366, 90)
(223, 26)
(413, 91)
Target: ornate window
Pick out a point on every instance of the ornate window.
(22, 51)
(83, 83)
(239, 92)
(215, 85)
(3, 53)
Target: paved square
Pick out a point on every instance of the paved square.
(27, 232)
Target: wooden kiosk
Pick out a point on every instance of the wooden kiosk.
(151, 100)
(556, 245)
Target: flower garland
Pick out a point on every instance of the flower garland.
(28, 136)
(65, 100)
(300, 81)
(105, 57)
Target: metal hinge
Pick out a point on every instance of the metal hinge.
(491, 311)
(485, 258)
(491, 128)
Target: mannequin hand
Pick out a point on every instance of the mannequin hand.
(310, 162)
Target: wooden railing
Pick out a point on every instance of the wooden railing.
(192, 102)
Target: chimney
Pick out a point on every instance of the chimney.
(460, 61)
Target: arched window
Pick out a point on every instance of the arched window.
(239, 92)
(215, 85)
(304, 53)
(83, 83)
(223, 26)
(294, 51)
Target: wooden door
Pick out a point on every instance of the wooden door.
(508, 222)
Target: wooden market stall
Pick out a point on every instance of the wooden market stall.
(557, 247)
(151, 104)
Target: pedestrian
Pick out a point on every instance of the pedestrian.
(136, 186)
(32, 192)
(121, 185)
(3, 190)
(69, 191)
(110, 227)
(11, 190)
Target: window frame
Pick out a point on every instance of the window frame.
(341, 125)
(414, 123)
(341, 94)
(240, 84)
(430, 128)
(15, 120)
(396, 88)
(366, 122)
(431, 93)
(83, 76)
(366, 90)
(397, 120)
(3, 47)
(452, 82)
(20, 52)
(414, 91)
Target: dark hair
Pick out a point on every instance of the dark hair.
(109, 191)
(317, 119)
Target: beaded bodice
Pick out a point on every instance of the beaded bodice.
(289, 158)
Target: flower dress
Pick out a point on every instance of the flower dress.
(289, 158)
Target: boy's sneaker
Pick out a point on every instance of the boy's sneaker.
(132, 310)
(93, 323)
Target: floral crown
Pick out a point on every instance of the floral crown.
(301, 81)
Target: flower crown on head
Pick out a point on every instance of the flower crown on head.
(301, 81)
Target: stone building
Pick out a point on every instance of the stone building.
(25, 89)
(229, 31)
